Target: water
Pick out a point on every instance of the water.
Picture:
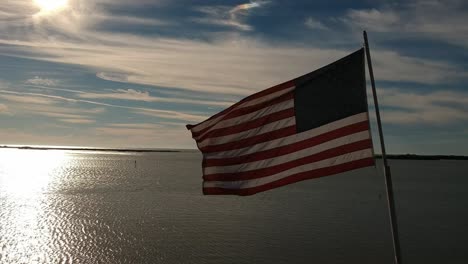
(90, 207)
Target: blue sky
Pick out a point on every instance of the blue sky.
(115, 73)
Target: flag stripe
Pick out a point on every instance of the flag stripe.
(292, 179)
(266, 119)
(333, 138)
(269, 167)
(288, 140)
(236, 114)
(248, 183)
(290, 121)
(257, 98)
(237, 117)
(278, 133)
(267, 97)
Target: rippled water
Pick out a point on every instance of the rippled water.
(90, 207)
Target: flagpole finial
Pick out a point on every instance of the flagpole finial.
(364, 33)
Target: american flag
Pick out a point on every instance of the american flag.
(312, 126)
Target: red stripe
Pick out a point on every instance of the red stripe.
(268, 171)
(270, 90)
(294, 178)
(279, 133)
(247, 110)
(283, 150)
(249, 125)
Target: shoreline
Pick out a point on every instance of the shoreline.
(422, 157)
(89, 149)
(377, 156)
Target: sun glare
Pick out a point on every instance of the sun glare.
(51, 5)
(25, 172)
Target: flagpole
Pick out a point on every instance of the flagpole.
(388, 177)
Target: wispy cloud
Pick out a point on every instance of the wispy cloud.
(169, 114)
(228, 16)
(432, 108)
(135, 95)
(391, 66)
(315, 24)
(3, 109)
(172, 96)
(18, 98)
(26, 97)
(374, 19)
(42, 81)
(435, 20)
(248, 6)
(34, 105)
(121, 94)
(135, 125)
(220, 16)
(129, 20)
(51, 112)
(78, 121)
(42, 87)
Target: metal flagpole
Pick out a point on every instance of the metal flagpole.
(388, 177)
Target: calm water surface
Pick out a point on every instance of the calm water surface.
(90, 207)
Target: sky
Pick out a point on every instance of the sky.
(132, 74)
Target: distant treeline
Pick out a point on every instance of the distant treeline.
(423, 157)
(93, 149)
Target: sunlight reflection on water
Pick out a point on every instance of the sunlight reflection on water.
(27, 173)
(52, 207)
(24, 179)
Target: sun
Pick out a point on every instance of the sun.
(51, 5)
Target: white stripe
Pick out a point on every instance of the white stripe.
(357, 155)
(290, 121)
(261, 164)
(289, 139)
(265, 98)
(262, 99)
(251, 116)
